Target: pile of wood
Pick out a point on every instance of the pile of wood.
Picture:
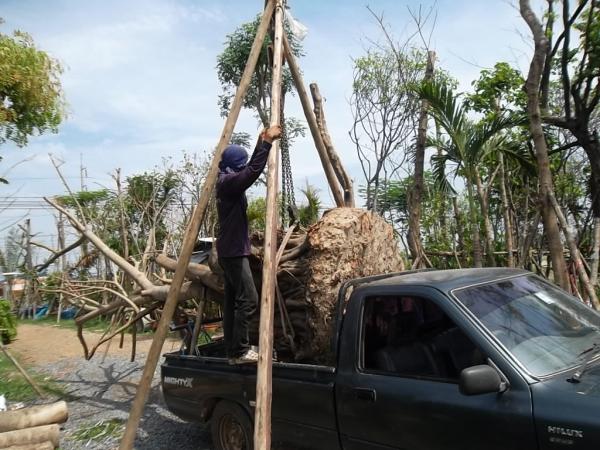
(33, 428)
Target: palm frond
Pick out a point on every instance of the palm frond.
(438, 171)
(444, 106)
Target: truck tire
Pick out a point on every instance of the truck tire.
(231, 427)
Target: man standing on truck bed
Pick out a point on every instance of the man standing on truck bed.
(233, 245)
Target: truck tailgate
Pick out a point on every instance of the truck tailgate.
(303, 409)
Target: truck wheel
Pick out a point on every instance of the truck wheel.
(231, 428)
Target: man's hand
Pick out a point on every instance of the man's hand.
(271, 133)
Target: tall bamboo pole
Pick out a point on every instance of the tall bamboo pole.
(264, 391)
(190, 236)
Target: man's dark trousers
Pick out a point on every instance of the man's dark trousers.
(240, 303)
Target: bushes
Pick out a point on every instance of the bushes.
(8, 322)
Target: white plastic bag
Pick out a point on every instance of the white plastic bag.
(2, 403)
(298, 29)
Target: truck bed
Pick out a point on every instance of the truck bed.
(303, 394)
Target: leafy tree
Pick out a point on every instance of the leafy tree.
(232, 61)
(465, 145)
(31, 99)
(385, 109)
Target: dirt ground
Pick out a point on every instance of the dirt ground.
(38, 345)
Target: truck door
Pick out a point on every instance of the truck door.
(397, 387)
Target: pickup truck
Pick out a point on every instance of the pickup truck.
(463, 359)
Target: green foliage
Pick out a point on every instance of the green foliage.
(11, 259)
(86, 199)
(232, 61)
(588, 26)
(31, 99)
(467, 142)
(17, 389)
(257, 211)
(8, 322)
(309, 213)
(241, 138)
(498, 90)
(103, 429)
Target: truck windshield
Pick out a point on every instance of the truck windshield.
(542, 326)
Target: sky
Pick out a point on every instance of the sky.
(140, 80)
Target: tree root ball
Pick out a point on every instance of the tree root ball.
(346, 243)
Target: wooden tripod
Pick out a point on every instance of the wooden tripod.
(334, 174)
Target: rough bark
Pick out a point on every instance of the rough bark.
(33, 416)
(594, 259)
(575, 254)
(487, 223)
(30, 436)
(532, 86)
(508, 234)
(416, 193)
(344, 244)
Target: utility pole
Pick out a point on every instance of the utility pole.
(82, 173)
(28, 267)
(63, 261)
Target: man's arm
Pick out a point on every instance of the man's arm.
(236, 183)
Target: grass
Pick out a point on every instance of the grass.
(16, 388)
(100, 430)
(97, 324)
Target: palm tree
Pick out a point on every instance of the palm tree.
(465, 145)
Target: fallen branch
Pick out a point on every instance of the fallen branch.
(58, 254)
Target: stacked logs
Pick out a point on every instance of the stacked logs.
(33, 428)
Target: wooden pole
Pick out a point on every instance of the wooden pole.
(143, 390)
(312, 124)
(262, 425)
(197, 326)
(20, 369)
(341, 174)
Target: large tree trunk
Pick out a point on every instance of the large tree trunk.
(532, 87)
(415, 196)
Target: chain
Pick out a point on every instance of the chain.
(288, 200)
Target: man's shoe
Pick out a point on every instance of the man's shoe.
(250, 357)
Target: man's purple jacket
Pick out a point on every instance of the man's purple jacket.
(232, 240)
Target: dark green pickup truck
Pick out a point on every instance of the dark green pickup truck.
(477, 359)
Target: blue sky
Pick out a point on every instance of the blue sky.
(141, 84)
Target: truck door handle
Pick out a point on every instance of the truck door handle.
(366, 394)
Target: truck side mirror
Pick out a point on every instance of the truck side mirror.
(478, 380)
